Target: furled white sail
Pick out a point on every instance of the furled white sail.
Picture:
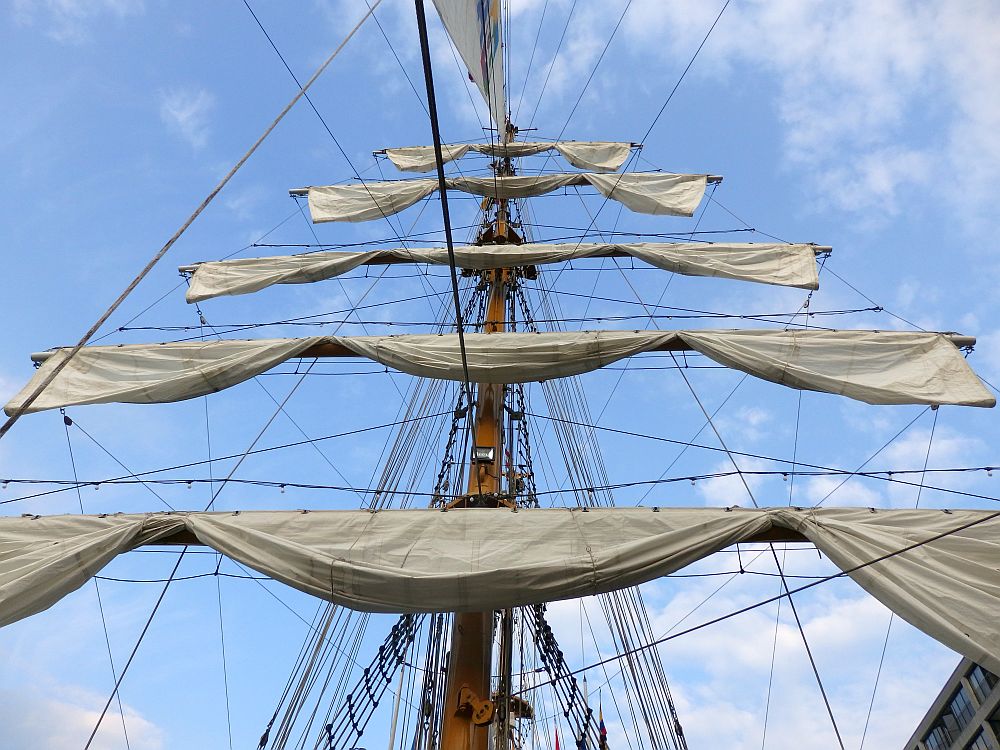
(474, 26)
(659, 194)
(594, 156)
(485, 559)
(650, 193)
(599, 156)
(878, 367)
(155, 373)
(422, 158)
(785, 265)
(517, 186)
(367, 201)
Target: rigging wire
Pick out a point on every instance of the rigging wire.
(70, 422)
(868, 460)
(69, 484)
(323, 122)
(685, 72)
(97, 588)
(218, 580)
(770, 674)
(399, 62)
(317, 320)
(890, 475)
(30, 398)
(231, 456)
(586, 85)
(897, 317)
(552, 64)
(135, 649)
(892, 615)
(531, 59)
(222, 641)
(179, 284)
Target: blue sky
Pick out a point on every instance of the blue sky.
(874, 130)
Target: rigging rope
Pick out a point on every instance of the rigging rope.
(218, 578)
(531, 59)
(135, 649)
(586, 85)
(97, 589)
(552, 64)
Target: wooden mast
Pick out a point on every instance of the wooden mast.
(469, 711)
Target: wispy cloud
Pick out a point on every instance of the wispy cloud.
(71, 21)
(186, 112)
(874, 98)
(723, 675)
(64, 717)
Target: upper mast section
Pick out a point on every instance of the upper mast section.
(496, 229)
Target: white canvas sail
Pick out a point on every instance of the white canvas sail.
(486, 559)
(877, 367)
(367, 201)
(594, 156)
(475, 28)
(765, 263)
(656, 193)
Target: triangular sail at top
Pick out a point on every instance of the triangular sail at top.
(425, 560)
(475, 28)
(877, 367)
(765, 263)
(595, 156)
(657, 193)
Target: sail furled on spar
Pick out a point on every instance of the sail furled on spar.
(594, 156)
(476, 29)
(656, 193)
(877, 367)
(487, 559)
(791, 265)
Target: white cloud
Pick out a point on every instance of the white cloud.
(245, 202)
(987, 356)
(726, 668)
(8, 387)
(71, 20)
(833, 490)
(719, 675)
(874, 179)
(854, 78)
(730, 490)
(748, 423)
(185, 111)
(64, 717)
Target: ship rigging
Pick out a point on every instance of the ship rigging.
(473, 523)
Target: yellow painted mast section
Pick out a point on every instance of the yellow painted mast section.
(469, 711)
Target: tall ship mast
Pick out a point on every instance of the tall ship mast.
(444, 585)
